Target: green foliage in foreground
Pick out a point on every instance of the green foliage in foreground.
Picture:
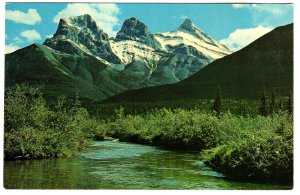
(33, 130)
(244, 146)
(259, 148)
(263, 151)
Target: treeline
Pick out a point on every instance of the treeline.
(275, 105)
(267, 107)
(34, 130)
(107, 110)
(264, 105)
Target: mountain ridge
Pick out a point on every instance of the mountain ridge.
(266, 63)
(169, 63)
(84, 51)
(62, 73)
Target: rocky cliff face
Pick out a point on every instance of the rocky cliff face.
(188, 27)
(82, 33)
(133, 29)
(165, 57)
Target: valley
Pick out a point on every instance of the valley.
(181, 110)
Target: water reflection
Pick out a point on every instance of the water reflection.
(115, 165)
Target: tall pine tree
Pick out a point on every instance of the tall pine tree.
(273, 103)
(218, 103)
(263, 105)
(290, 103)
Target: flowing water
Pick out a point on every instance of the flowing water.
(117, 165)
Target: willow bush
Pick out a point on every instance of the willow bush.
(33, 130)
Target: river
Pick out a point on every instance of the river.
(119, 165)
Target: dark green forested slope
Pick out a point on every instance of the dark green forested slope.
(265, 63)
(61, 73)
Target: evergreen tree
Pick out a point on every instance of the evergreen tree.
(273, 103)
(77, 102)
(218, 103)
(263, 106)
(290, 103)
(280, 105)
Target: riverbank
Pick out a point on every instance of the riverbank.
(123, 165)
(253, 148)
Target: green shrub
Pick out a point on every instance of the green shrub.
(188, 130)
(264, 151)
(33, 130)
(258, 148)
(178, 129)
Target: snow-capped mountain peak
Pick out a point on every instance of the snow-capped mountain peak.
(83, 21)
(135, 30)
(188, 25)
(82, 34)
(163, 58)
(189, 35)
(134, 42)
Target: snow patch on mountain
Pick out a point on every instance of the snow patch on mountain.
(129, 50)
(189, 35)
(180, 37)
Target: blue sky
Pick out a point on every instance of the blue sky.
(235, 25)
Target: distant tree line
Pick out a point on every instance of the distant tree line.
(265, 109)
(274, 105)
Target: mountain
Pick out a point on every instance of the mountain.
(168, 57)
(80, 34)
(62, 73)
(265, 63)
(135, 30)
(80, 57)
(189, 35)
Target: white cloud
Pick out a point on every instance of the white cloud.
(237, 6)
(18, 40)
(31, 17)
(31, 35)
(11, 48)
(242, 37)
(105, 15)
(274, 9)
(49, 36)
(269, 14)
(278, 10)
